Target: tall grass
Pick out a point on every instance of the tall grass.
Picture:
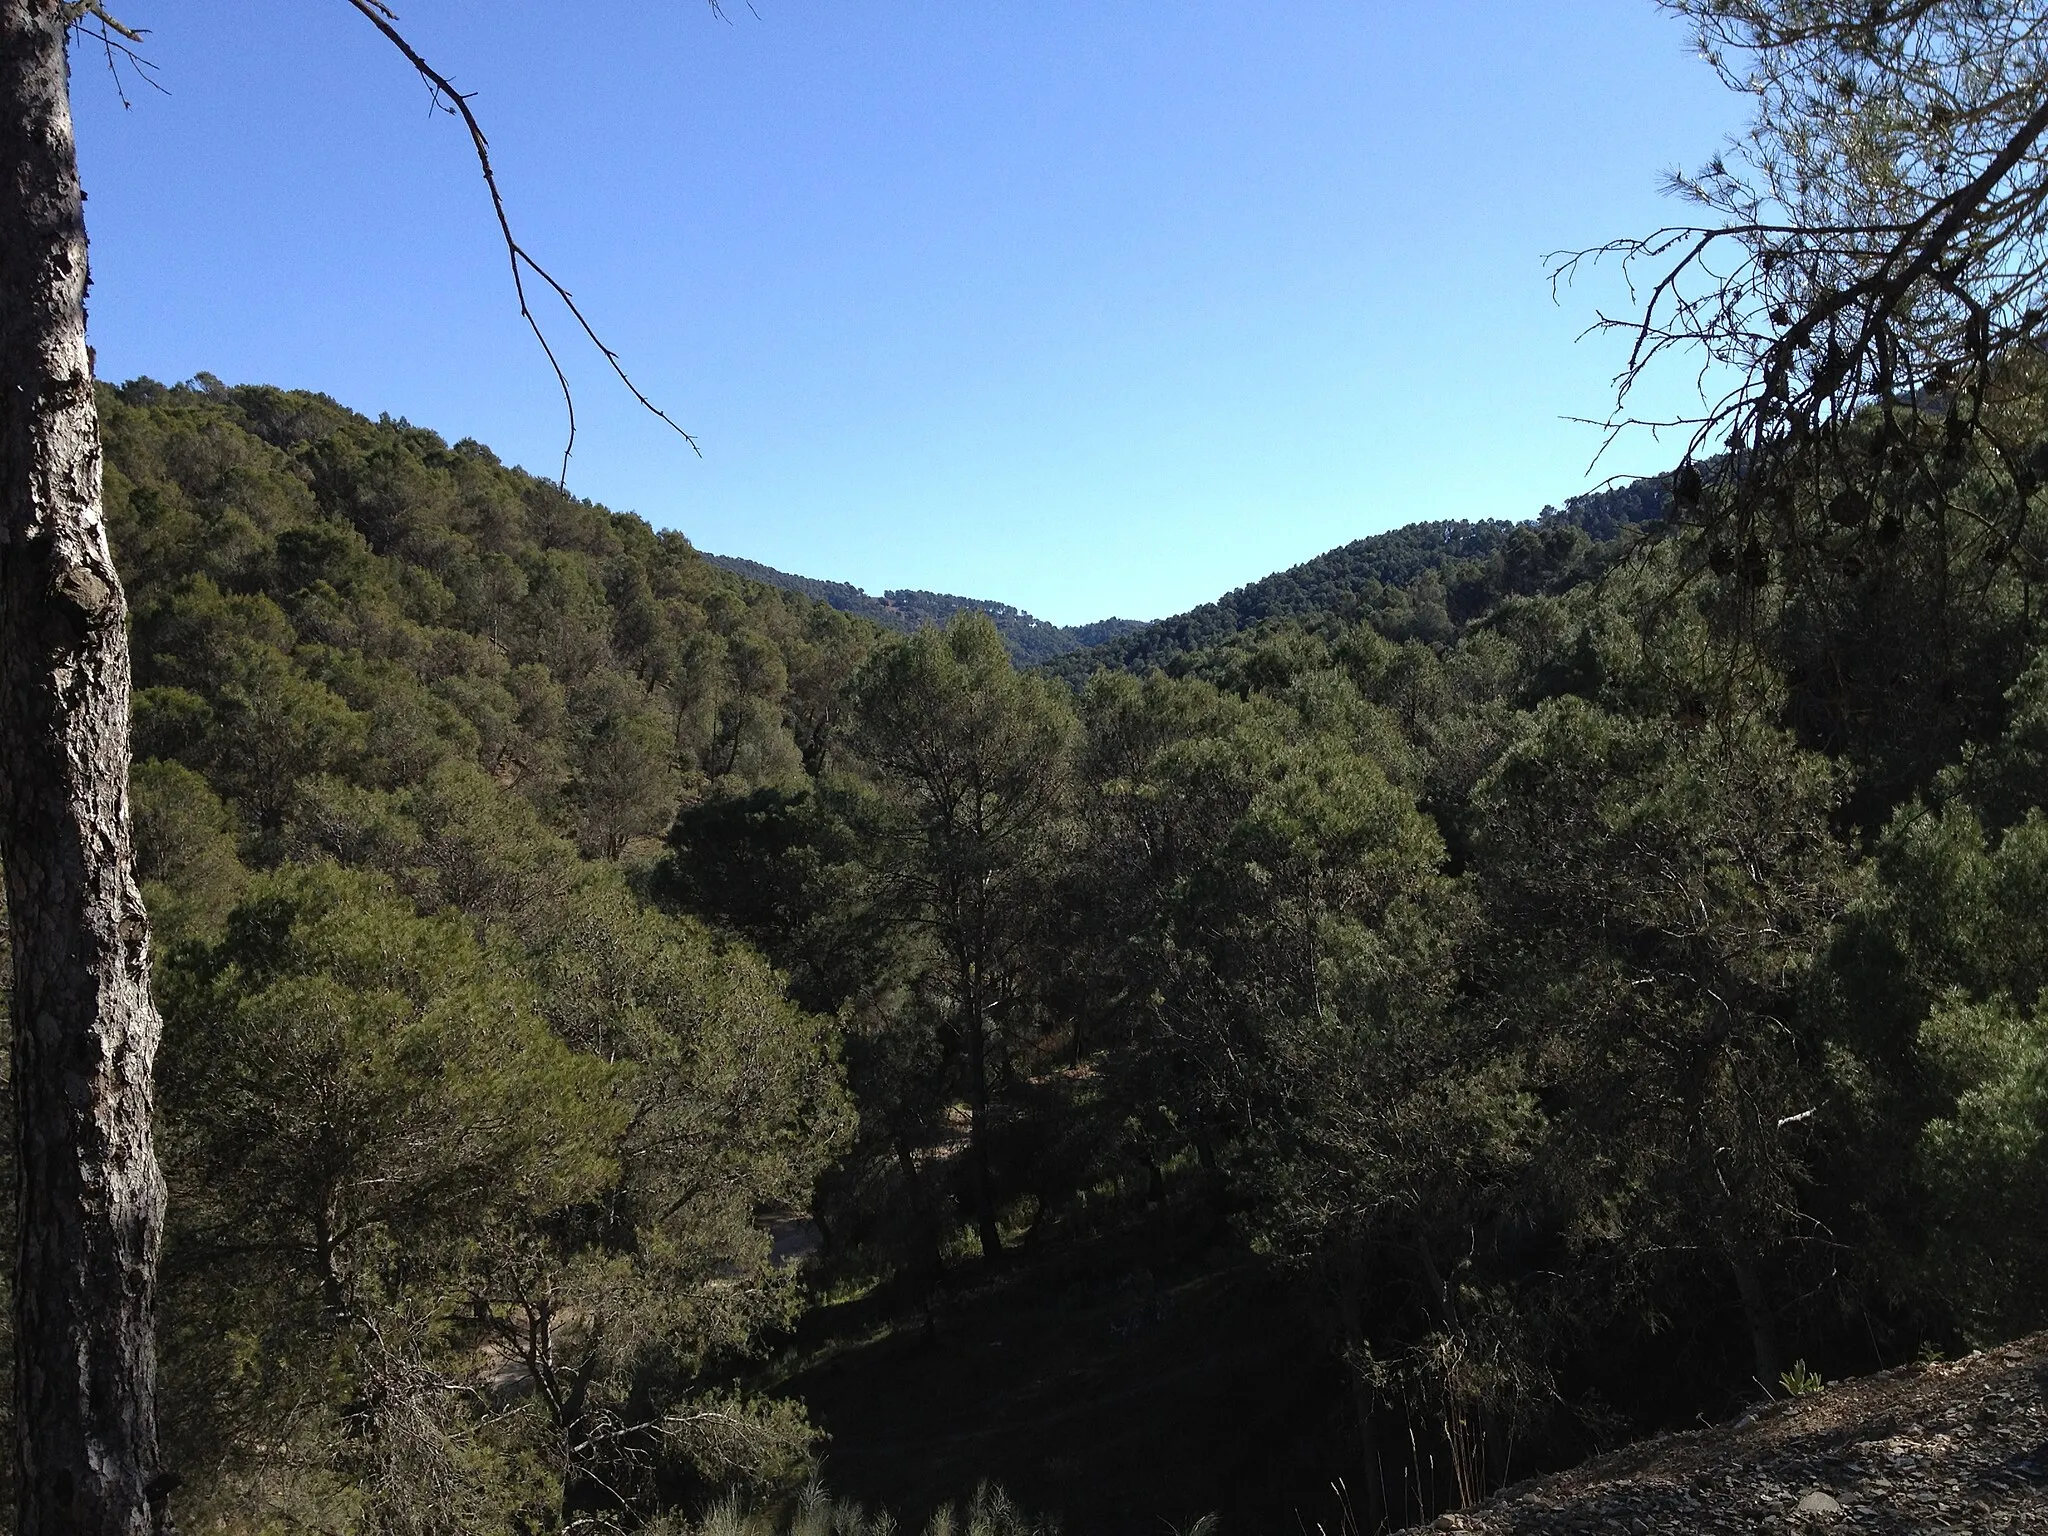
(815, 1512)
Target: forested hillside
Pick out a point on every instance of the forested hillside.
(1380, 576)
(1346, 582)
(1586, 985)
(468, 1146)
(1029, 640)
(637, 1036)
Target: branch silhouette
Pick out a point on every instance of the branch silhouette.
(1867, 302)
(456, 104)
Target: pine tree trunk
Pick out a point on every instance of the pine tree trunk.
(1756, 1312)
(977, 1122)
(85, 1033)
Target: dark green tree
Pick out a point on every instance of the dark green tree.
(1656, 892)
(971, 761)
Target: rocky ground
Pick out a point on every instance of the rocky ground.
(1954, 1447)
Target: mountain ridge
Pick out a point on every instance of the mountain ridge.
(1337, 581)
(1351, 576)
(1031, 640)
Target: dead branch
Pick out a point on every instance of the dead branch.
(456, 104)
(75, 12)
(117, 42)
(1881, 255)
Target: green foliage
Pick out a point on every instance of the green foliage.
(1941, 969)
(1575, 971)
(1029, 640)
(319, 595)
(1983, 1162)
(969, 763)
(460, 1224)
(1416, 582)
(1801, 1380)
(470, 1149)
(1701, 877)
(357, 1102)
(185, 851)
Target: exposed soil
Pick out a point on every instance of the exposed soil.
(1957, 1447)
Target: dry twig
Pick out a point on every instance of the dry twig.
(457, 104)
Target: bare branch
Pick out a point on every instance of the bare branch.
(1880, 246)
(456, 104)
(90, 19)
(75, 12)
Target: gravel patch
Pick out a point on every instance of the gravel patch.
(1956, 1447)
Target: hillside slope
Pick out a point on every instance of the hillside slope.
(406, 720)
(1946, 1447)
(1339, 582)
(1030, 640)
(1352, 578)
(320, 599)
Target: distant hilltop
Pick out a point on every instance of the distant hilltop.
(1030, 640)
(1340, 580)
(1330, 583)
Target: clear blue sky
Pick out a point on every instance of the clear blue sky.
(1096, 308)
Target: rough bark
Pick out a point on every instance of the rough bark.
(986, 1227)
(85, 1032)
(1756, 1312)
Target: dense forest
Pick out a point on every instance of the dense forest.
(1028, 639)
(1355, 580)
(1381, 578)
(640, 1041)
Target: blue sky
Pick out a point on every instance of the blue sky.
(1095, 308)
